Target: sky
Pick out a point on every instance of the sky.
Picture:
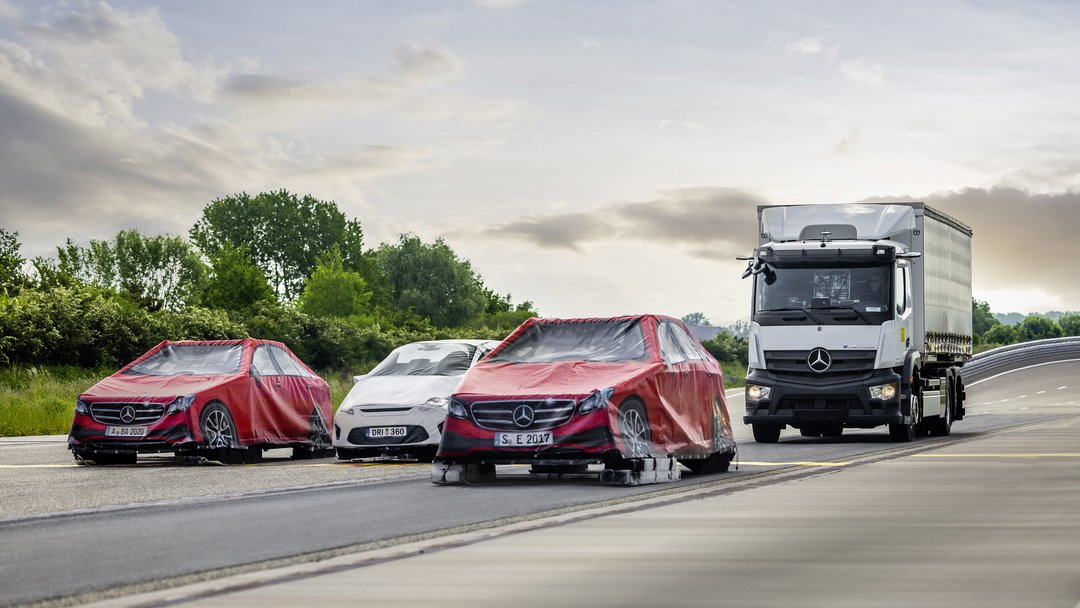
(596, 158)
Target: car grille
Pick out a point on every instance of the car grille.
(845, 363)
(109, 413)
(499, 415)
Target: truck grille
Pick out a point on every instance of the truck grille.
(111, 413)
(499, 415)
(845, 363)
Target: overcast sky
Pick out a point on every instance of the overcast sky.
(597, 158)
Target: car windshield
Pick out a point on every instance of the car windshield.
(603, 341)
(427, 359)
(190, 359)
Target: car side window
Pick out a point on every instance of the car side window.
(262, 363)
(687, 343)
(669, 344)
(286, 363)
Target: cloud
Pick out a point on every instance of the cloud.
(590, 43)
(814, 46)
(498, 4)
(863, 73)
(8, 11)
(704, 222)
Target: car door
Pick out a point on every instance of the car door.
(707, 385)
(276, 415)
(307, 391)
(674, 380)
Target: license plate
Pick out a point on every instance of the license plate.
(522, 440)
(125, 431)
(378, 432)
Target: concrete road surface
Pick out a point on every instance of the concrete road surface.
(989, 522)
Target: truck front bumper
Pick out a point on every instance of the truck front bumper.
(823, 400)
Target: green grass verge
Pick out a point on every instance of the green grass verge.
(734, 373)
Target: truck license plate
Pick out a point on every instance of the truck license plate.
(126, 431)
(522, 440)
(378, 432)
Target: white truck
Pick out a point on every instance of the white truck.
(861, 317)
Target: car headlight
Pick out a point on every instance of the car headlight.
(596, 400)
(456, 409)
(440, 402)
(81, 407)
(757, 393)
(883, 391)
(179, 404)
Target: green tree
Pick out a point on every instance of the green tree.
(333, 291)
(11, 263)
(283, 234)
(981, 317)
(1037, 327)
(235, 282)
(696, 318)
(1070, 324)
(1001, 334)
(431, 281)
(156, 271)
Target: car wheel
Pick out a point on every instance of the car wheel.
(767, 433)
(318, 439)
(634, 429)
(218, 429)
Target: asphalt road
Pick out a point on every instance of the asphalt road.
(187, 520)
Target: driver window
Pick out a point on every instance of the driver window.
(669, 346)
(901, 290)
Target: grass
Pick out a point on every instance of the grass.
(734, 373)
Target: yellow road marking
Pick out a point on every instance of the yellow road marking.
(1005, 455)
(800, 464)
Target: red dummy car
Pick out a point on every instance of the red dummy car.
(226, 400)
(566, 393)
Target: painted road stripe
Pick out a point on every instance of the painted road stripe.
(1046, 455)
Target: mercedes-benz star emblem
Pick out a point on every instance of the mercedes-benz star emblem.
(819, 360)
(524, 416)
(127, 413)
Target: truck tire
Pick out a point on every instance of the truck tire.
(942, 425)
(767, 433)
(905, 433)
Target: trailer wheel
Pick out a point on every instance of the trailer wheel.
(767, 433)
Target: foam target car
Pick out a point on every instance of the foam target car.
(571, 392)
(226, 400)
(398, 408)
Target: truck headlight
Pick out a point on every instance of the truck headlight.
(179, 404)
(883, 391)
(456, 409)
(758, 393)
(595, 401)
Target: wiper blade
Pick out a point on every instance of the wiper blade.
(851, 308)
(793, 309)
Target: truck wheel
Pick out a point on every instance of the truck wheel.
(942, 425)
(767, 433)
(905, 433)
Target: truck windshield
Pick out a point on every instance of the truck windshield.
(824, 296)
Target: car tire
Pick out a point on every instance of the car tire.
(217, 427)
(319, 441)
(634, 429)
(767, 433)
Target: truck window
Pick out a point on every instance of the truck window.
(901, 290)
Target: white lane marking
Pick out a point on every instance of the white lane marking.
(1006, 400)
(1022, 397)
(1020, 369)
(1040, 392)
(1061, 388)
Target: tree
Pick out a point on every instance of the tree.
(1036, 327)
(333, 291)
(1070, 324)
(235, 282)
(696, 318)
(283, 235)
(431, 281)
(11, 263)
(156, 271)
(1000, 334)
(981, 317)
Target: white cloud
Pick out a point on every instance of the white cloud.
(863, 73)
(8, 11)
(814, 46)
(663, 125)
(590, 43)
(498, 4)
(693, 126)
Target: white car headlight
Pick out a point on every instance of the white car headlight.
(179, 404)
(883, 391)
(440, 402)
(596, 400)
(757, 393)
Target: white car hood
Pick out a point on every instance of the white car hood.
(399, 390)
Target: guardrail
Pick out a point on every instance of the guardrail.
(991, 362)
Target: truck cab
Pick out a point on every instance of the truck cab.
(839, 323)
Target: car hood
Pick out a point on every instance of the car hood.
(121, 386)
(542, 379)
(399, 390)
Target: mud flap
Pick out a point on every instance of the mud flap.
(641, 471)
(449, 474)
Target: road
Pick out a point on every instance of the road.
(196, 527)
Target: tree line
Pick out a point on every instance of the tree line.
(274, 265)
(990, 333)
